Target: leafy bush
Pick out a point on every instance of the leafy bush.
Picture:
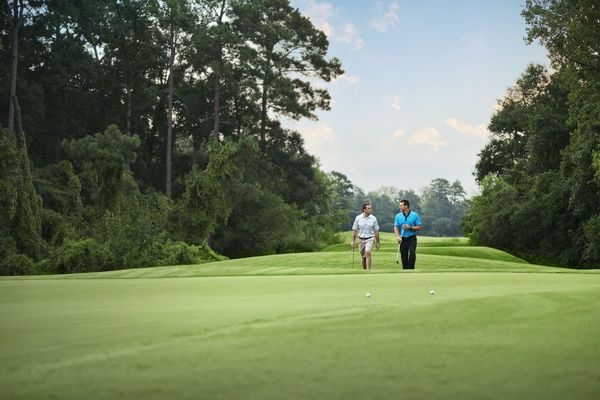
(488, 222)
(591, 230)
(19, 203)
(18, 264)
(180, 253)
(79, 256)
(135, 230)
(56, 228)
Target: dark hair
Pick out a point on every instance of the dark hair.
(406, 203)
(365, 205)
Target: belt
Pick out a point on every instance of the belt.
(370, 237)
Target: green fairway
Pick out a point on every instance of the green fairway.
(299, 326)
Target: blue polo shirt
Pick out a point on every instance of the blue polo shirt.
(411, 219)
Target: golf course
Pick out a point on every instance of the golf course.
(468, 323)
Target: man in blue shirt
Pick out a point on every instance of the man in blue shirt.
(406, 225)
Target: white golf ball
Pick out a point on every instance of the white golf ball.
(368, 295)
(432, 292)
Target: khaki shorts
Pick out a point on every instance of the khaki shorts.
(366, 245)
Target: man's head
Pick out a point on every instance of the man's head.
(404, 205)
(367, 208)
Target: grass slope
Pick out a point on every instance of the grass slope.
(306, 331)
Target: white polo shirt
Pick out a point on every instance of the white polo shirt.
(366, 226)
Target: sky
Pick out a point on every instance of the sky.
(422, 80)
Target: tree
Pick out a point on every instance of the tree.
(131, 53)
(489, 221)
(436, 203)
(285, 48)
(568, 29)
(510, 125)
(546, 192)
(15, 13)
(20, 205)
(444, 206)
(384, 207)
(175, 22)
(413, 198)
(101, 160)
(221, 44)
(343, 199)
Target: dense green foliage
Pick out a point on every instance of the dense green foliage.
(540, 194)
(117, 99)
(20, 217)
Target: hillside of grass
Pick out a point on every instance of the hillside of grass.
(433, 255)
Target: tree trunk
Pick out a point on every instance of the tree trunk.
(217, 98)
(170, 114)
(217, 110)
(263, 119)
(17, 20)
(238, 118)
(18, 119)
(129, 90)
(263, 108)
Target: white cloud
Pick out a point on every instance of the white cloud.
(349, 35)
(319, 14)
(321, 141)
(323, 16)
(394, 102)
(390, 142)
(350, 78)
(427, 136)
(398, 134)
(346, 77)
(318, 133)
(383, 23)
(467, 129)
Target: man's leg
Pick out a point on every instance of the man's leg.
(412, 252)
(404, 253)
(363, 253)
(368, 250)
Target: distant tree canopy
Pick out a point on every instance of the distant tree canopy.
(441, 205)
(540, 170)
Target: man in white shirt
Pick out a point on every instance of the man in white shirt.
(367, 229)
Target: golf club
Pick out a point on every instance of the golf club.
(353, 248)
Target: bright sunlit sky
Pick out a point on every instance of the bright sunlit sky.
(422, 81)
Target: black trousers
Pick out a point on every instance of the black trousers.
(408, 252)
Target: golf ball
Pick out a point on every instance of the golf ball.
(432, 292)
(368, 295)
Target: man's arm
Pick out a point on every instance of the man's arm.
(354, 233)
(377, 243)
(397, 233)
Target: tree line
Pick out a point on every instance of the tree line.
(540, 171)
(442, 205)
(147, 132)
